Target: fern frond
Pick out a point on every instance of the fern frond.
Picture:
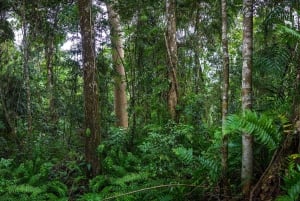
(277, 15)
(283, 30)
(58, 188)
(261, 126)
(24, 188)
(294, 191)
(90, 197)
(291, 180)
(272, 60)
(212, 166)
(98, 182)
(129, 178)
(184, 154)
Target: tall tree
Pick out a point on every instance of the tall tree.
(49, 42)
(247, 139)
(91, 94)
(172, 57)
(225, 88)
(25, 46)
(118, 62)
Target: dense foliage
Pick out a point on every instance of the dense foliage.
(42, 114)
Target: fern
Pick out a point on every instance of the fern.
(288, 33)
(261, 126)
(184, 155)
(98, 182)
(24, 188)
(90, 197)
(131, 177)
(57, 188)
(291, 181)
(212, 166)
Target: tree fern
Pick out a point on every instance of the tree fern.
(261, 126)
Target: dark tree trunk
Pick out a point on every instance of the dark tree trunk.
(91, 95)
(225, 185)
(172, 58)
(25, 46)
(49, 53)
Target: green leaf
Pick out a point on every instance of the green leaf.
(88, 132)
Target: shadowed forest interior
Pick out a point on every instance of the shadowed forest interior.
(155, 100)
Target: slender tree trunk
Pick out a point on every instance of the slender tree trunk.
(225, 88)
(118, 58)
(198, 72)
(247, 139)
(172, 58)
(49, 53)
(91, 94)
(25, 45)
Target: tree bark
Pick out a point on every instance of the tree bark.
(120, 101)
(91, 94)
(49, 53)
(49, 42)
(247, 139)
(225, 88)
(25, 46)
(172, 58)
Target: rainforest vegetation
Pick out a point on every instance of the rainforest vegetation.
(154, 100)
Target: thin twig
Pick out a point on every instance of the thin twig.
(149, 188)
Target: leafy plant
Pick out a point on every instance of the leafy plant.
(29, 181)
(291, 179)
(261, 126)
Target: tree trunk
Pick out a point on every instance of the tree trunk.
(198, 72)
(91, 95)
(225, 185)
(9, 117)
(118, 58)
(25, 46)
(49, 42)
(49, 53)
(247, 139)
(172, 58)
